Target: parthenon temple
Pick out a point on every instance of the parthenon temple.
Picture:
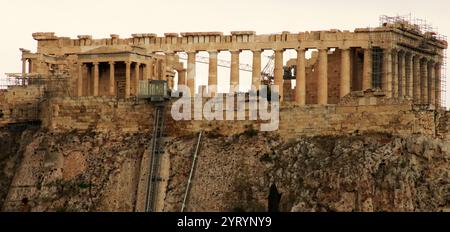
(397, 60)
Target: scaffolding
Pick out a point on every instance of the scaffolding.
(424, 28)
(443, 78)
(55, 84)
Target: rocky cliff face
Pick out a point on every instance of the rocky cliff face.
(76, 171)
(87, 171)
(370, 172)
(13, 139)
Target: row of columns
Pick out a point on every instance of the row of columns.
(405, 75)
(148, 73)
(322, 84)
(415, 76)
(234, 70)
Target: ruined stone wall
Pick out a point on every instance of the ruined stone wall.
(367, 114)
(19, 104)
(101, 114)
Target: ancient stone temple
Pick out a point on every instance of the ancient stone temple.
(396, 59)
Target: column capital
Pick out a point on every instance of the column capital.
(279, 50)
(127, 62)
(111, 62)
(191, 52)
(235, 51)
(95, 63)
(257, 51)
(213, 52)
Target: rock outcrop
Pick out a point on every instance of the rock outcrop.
(89, 171)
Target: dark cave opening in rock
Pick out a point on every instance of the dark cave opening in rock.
(274, 199)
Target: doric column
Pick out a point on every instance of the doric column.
(345, 72)
(438, 84)
(278, 72)
(416, 79)
(150, 69)
(387, 77)
(212, 77)
(256, 69)
(234, 72)
(322, 82)
(127, 78)
(300, 89)
(167, 65)
(182, 77)
(145, 71)
(367, 70)
(401, 75)
(394, 74)
(80, 80)
(431, 83)
(96, 79)
(136, 78)
(111, 78)
(24, 70)
(30, 66)
(424, 81)
(409, 75)
(191, 72)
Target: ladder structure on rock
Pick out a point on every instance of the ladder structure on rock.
(155, 163)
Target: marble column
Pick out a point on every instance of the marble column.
(24, 70)
(416, 79)
(111, 78)
(150, 70)
(424, 81)
(182, 77)
(191, 72)
(367, 70)
(212, 76)
(401, 75)
(136, 78)
(80, 80)
(278, 72)
(409, 75)
(322, 82)
(96, 79)
(431, 83)
(345, 73)
(127, 79)
(256, 69)
(438, 84)
(300, 89)
(234, 72)
(387, 77)
(145, 71)
(394, 74)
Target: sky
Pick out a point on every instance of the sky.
(100, 18)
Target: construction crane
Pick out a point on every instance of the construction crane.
(266, 73)
(221, 63)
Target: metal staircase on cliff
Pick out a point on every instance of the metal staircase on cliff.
(156, 153)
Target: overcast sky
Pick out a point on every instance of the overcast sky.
(100, 18)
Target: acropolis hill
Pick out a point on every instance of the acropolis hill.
(364, 128)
